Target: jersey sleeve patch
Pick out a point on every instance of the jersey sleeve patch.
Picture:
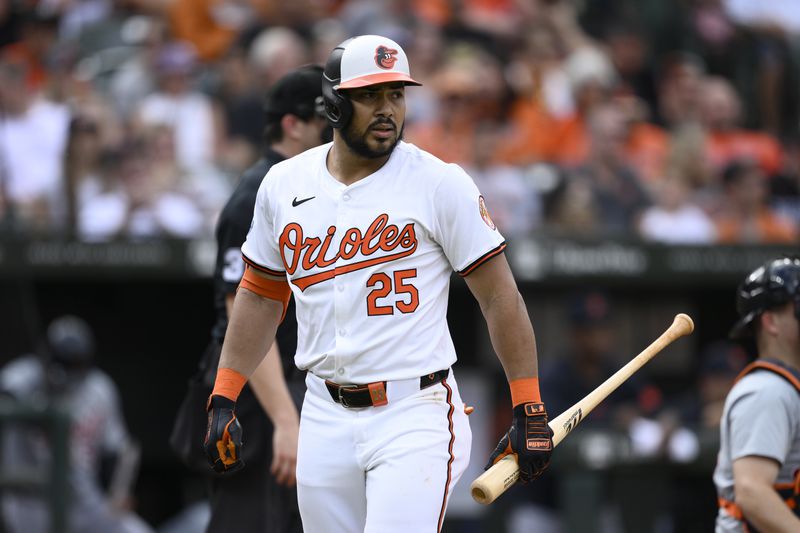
(482, 259)
(485, 213)
(262, 268)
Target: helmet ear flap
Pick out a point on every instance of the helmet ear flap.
(338, 108)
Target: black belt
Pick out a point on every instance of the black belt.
(374, 394)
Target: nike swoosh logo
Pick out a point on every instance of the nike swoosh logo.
(297, 202)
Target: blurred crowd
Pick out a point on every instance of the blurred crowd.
(677, 122)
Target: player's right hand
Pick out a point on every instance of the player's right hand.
(223, 442)
(529, 438)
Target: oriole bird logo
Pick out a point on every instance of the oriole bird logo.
(385, 57)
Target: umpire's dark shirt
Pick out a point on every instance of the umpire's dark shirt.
(232, 228)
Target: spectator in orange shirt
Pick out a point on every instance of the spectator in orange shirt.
(646, 144)
(463, 105)
(560, 76)
(38, 34)
(595, 82)
(541, 96)
(500, 19)
(436, 12)
(726, 142)
(592, 78)
(450, 136)
(745, 215)
(210, 25)
(603, 196)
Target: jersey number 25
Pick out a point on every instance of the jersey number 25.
(383, 286)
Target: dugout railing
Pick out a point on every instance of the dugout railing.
(47, 481)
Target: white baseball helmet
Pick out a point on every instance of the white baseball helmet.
(359, 62)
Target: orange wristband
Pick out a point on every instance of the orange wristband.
(524, 390)
(229, 383)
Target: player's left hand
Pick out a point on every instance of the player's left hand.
(223, 443)
(529, 438)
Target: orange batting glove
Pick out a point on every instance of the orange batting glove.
(223, 442)
(529, 437)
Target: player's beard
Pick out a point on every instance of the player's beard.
(358, 143)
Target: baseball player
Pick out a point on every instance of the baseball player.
(758, 466)
(64, 376)
(253, 499)
(365, 232)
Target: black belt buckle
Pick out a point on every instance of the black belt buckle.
(342, 399)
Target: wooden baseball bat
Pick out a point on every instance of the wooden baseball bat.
(497, 479)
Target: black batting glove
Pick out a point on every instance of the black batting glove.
(223, 442)
(529, 438)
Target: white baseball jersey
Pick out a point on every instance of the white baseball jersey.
(369, 263)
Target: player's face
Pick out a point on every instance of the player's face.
(379, 113)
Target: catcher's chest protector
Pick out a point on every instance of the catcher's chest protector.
(789, 492)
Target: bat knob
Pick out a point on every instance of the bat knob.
(683, 323)
(480, 496)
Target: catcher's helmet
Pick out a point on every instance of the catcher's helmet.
(774, 283)
(359, 62)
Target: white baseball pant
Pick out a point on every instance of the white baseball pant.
(381, 469)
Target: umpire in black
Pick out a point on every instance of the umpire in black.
(261, 497)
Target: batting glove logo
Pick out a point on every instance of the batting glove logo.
(529, 438)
